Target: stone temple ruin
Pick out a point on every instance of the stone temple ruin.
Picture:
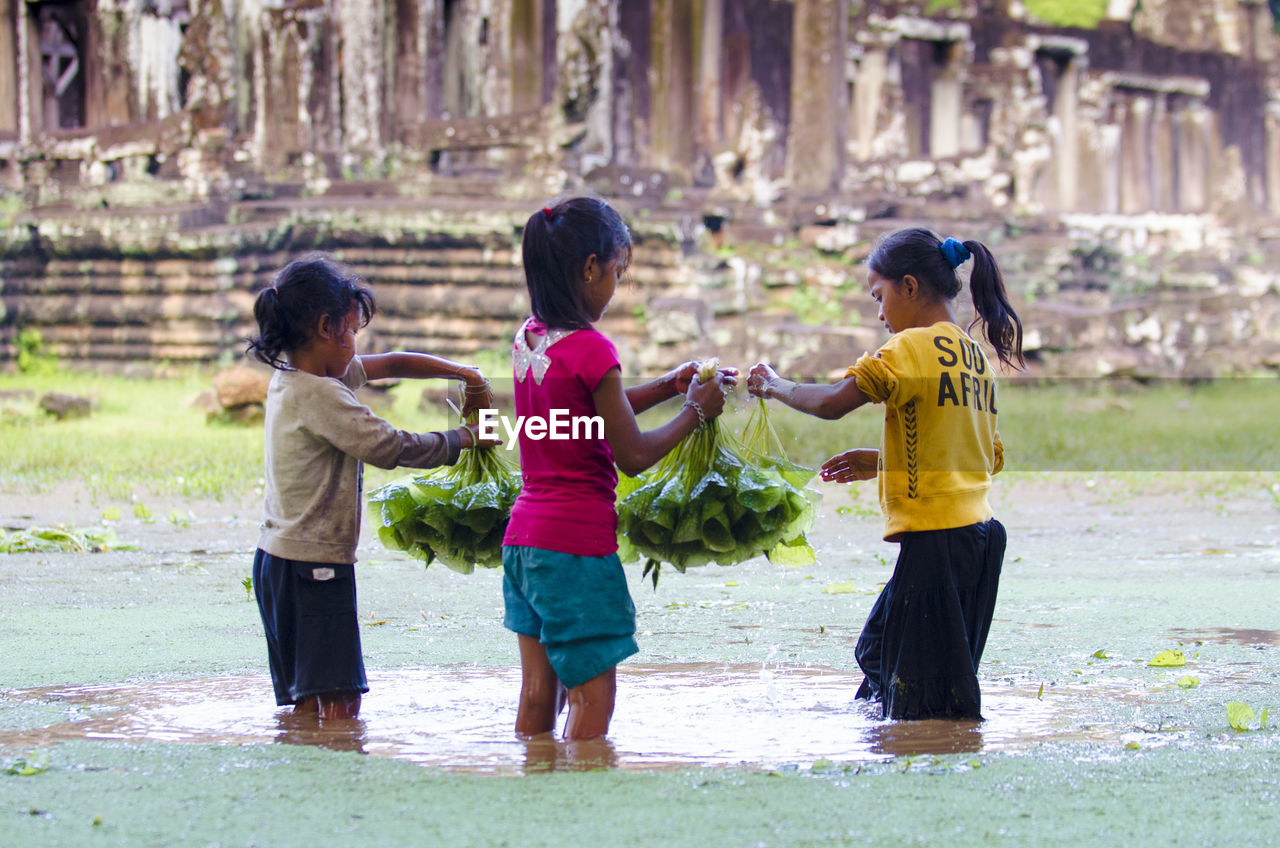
(160, 158)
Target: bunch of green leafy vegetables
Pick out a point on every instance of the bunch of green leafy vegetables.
(47, 539)
(456, 514)
(714, 500)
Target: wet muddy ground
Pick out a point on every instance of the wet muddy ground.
(135, 682)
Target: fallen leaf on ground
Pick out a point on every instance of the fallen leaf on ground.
(1168, 659)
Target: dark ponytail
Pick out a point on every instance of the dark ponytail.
(920, 253)
(991, 302)
(302, 293)
(557, 242)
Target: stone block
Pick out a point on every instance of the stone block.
(62, 406)
(240, 385)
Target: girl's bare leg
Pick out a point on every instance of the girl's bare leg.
(330, 705)
(539, 689)
(591, 706)
(339, 705)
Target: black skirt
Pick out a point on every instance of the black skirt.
(924, 637)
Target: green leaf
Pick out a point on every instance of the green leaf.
(28, 766)
(111, 513)
(1100, 654)
(793, 554)
(1168, 659)
(843, 587)
(42, 539)
(1239, 716)
(141, 511)
(1188, 682)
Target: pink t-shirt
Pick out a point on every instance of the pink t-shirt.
(567, 503)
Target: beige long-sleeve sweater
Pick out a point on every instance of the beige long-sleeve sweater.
(318, 435)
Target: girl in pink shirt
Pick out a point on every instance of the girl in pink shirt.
(564, 588)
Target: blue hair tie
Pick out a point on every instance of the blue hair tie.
(955, 251)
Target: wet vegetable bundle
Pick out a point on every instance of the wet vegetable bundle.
(456, 514)
(712, 500)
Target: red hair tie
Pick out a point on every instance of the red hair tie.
(549, 213)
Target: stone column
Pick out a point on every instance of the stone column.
(815, 137)
(1068, 160)
(1192, 127)
(28, 70)
(671, 38)
(8, 66)
(1135, 155)
(710, 72)
(406, 51)
(630, 60)
(868, 88)
(1112, 137)
(526, 54)
(434, 53)
(1161, 179)
(360, 29)
(1273, 155)
(945, 105)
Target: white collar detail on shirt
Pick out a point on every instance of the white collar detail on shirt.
(536, 359)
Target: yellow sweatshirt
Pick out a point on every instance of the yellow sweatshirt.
(940, 446)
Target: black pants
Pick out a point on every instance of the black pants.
(923, 640)
(309, 617)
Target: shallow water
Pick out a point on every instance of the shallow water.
(668, 716)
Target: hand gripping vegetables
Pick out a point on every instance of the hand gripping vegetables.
(710, 500)
(456, 514)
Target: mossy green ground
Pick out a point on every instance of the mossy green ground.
(1125, 565)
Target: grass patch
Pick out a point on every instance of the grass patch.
(1092, 426)
(144, 439)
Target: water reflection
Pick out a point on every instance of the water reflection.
(545, 753)
(462, 718)
(335, 734)
(932, 736)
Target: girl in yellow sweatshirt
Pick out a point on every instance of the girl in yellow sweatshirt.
(920, 648)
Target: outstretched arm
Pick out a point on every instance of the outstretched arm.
(824, 400)
(424, 366)
(634, 449)
(674, 382)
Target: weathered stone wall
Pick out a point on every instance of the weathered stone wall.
(1163, 298)
(146, 192)
(728, 100)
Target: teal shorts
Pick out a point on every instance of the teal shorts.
(578, 607)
